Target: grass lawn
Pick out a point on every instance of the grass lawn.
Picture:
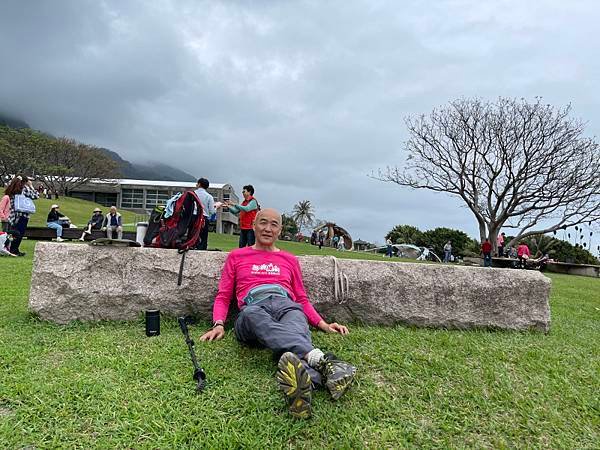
(106, 385)
(226, 243)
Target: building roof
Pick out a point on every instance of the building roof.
(131, 182)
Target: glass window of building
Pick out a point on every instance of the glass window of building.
(106, 199)
(156, 197)
(132, 198)
(225, 199)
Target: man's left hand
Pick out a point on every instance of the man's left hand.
(333, 328)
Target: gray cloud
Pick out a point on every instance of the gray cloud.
(301, 99)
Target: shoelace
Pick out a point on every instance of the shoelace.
(326, 367)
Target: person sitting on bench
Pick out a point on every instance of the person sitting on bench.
(95, 223)
(53, 221)
(112, 222)
(275, 313)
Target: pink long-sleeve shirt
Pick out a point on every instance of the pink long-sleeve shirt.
(5, 208)
(247, 268)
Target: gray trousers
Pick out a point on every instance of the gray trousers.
(110, 229)
(278, 324)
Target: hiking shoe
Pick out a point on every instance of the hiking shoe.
(295, 383)
(338, 374)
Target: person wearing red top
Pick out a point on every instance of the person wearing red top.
(500, 241)
(247, 211)
(486, 249)
(275, 313)
(523, 254)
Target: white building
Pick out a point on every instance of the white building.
(140, 196)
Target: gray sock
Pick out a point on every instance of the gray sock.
(314, 357)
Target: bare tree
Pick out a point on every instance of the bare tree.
(515, 164)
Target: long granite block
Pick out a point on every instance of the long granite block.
(86, 283)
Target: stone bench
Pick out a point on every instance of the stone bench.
(80, 282)
(584, 270)
(45, 233)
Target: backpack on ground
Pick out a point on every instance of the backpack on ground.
(178, 225)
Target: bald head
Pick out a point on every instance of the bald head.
(271, 213)
(267, 226)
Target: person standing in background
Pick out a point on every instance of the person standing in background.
(247, 212)
(500, 242)
(486, 250)
(18, 220)
(208, 209)
(388, 249)
(523, 254)
(447, 251)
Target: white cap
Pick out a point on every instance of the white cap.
(54, 206)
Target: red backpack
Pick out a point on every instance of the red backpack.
(181, 229)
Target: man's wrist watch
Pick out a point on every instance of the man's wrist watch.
(218, 323)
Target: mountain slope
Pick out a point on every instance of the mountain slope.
(12, 122)
(151, 171)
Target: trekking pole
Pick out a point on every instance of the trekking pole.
(199, 374)
(180, 275)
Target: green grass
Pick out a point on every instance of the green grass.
(106, 385)
(226, 242)
(79, 211)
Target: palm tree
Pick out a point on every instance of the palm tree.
(303, 213)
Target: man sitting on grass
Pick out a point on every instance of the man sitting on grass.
(275, 313)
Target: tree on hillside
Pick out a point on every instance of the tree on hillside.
(69, 164)
(405, 234)
(20, 150)
(515, 164)
(303, 214)
(60, 164)
(6, 156)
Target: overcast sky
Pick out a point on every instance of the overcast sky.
(301, 99)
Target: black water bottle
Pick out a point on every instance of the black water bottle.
(152, 322)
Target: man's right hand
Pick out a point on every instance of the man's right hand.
(214, 334)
